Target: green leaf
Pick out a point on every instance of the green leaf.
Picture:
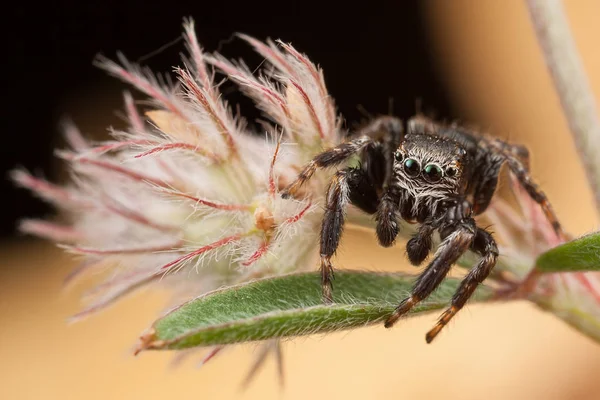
(290, 306)
(582, 254)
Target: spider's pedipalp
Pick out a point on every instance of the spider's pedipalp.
(485, 245)
(387, 217)
(419, 246)
(450, 250)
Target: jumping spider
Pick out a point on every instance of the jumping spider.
(435, 175)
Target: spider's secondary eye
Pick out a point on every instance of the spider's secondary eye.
(398, 156)
(451, 171)
(432, 173)
(411, 167)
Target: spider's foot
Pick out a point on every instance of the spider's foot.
(302, 178)
(402, 309)
(443, 321)
(327, 276)
(290, 190)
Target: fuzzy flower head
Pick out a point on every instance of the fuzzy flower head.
(189, 188)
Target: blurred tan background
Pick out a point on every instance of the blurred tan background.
(497, 77)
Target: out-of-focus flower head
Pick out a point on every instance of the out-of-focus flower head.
(572, 296)
(189, 196)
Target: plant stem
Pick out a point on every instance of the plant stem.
(570, 80)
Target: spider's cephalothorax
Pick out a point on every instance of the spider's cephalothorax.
(429, 171)
(435, 175)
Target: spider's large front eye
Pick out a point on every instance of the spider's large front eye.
(432, 173)
(412, 167)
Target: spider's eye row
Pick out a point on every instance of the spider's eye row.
(398, 156)
(451, 171)
(432, 173)
(412, 167)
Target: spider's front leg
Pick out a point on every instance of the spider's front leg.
(485, 245)
(388, 130)
(328, 158)
(349, 185)
(455, 244)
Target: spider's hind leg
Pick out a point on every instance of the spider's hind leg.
(349, 185)
(517, 158)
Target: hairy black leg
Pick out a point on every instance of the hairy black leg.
(332, 227)
(509, 150)
(536, 194)
(419, 246)
(450, 250)
(518, 160)
(521, 153)
(485, 245)
(385, 129)
(328, 158)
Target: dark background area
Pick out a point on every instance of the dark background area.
(370, 52)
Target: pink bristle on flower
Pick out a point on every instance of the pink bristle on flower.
(135, 119)
(49, 230)
(145, 82)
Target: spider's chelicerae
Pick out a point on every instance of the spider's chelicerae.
(435, 175)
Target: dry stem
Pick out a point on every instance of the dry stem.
(570, 80)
